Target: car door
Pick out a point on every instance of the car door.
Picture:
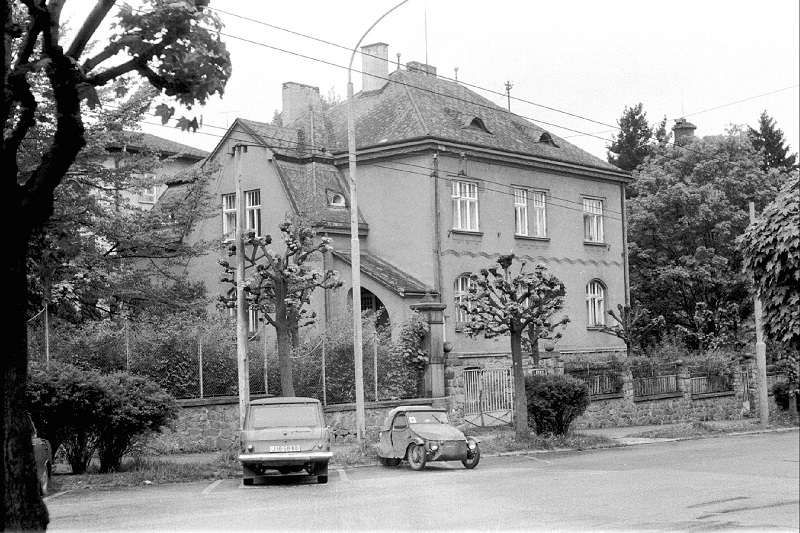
(400, 434)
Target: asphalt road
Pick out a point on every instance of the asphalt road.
(729, 483)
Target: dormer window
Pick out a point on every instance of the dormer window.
(547, 138)
(337, 200)
(478, 124)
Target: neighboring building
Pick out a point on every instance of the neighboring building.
(447, 182)
(175, 158)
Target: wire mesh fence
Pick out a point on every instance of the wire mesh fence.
(200, 360)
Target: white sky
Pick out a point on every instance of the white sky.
(587, 58)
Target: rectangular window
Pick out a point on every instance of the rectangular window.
(521, 211)
(465, 205)
(461, 290)
(592, 220)
(148, 196)
(595, 304)
(253, 211)
(229, 216)
(538, 202)
(252, 320)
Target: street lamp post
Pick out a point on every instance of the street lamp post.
(355, 247)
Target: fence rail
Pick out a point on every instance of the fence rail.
(655, 385)
(772, 379)
(711, 383)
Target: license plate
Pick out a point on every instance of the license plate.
(284, 448)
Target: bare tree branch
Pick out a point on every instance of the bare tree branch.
(90, 25)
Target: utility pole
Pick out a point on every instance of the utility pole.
(241, 305)
(761, 349)
(509, 85)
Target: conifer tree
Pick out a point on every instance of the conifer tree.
(768, 139)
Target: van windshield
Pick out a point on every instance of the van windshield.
(284, 415)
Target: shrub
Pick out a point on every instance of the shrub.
(780, 391)
(85, 412)
(63, 404)
(554, 402)
(131, 408)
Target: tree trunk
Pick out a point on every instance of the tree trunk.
(283, 332)
(520, 399)
(533, 337)
(23, 505)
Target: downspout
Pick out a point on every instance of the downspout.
(437, 235)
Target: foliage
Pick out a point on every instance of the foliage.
(175, 47)
(63, 404)
(633, 322)
(768, 140)
(280, 287)
(632, 144)
(781, 392)
(87, 412)
(554, 402)
(498, 304)
(771, 249)
(713, 363)
(712, 330)
(131, 408)
(689, 208)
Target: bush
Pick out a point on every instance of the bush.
(131, 408)
(780, 391)
(85, 412)
(554, 402)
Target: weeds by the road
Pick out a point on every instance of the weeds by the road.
(710, 428)
(503, 439)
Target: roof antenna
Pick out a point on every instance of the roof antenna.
(456, 69)
(509, 85)
(398, 60)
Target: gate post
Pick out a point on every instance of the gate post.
(433, 345)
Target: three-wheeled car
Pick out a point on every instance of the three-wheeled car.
(421, 434)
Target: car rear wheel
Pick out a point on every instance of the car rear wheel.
(472, 459)
(416, 457)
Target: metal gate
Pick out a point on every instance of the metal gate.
(489, 397)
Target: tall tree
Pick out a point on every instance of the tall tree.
(499, 304)
(769, 141)
(633, 142)
(280, 286)
(689, 208)
(175, 47)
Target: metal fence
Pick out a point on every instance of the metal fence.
(489, 396)
(655, 385)
(201, 361)
(711, 383)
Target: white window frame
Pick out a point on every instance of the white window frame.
(593, 220)
(539, 207)
(461, 287)
(148, 195)
(521, 212)
(253, 211)
(595, 303)
(252, 320)
(465, 206)
(229, 216)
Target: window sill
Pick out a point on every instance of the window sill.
(529, 238)
(594, 243)
(467, 232)
(594, 328)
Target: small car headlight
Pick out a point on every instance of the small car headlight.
(250, 448)
(472, 445)
(434, 446)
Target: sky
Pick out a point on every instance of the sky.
(574, 65)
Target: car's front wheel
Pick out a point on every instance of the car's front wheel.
(44, 479)
(416, 457)
(473, 457)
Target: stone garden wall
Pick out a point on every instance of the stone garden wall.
(213, 424)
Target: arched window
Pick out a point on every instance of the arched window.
(337, 200)
(461, 289)
(596, 303)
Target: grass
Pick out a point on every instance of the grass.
(780, 419)
(503, 439)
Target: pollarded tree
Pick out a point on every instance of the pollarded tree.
(499, 304)
(175, 47)
(281, 285)
(632, 322)
(768, 140)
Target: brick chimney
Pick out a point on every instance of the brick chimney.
(416, 66)
(683, 131)
(298, 100)
(374, 66)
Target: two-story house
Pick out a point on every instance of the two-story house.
(447, 182)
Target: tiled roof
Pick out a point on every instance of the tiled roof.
(387, 274)
(139, 140)
(414, 106)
